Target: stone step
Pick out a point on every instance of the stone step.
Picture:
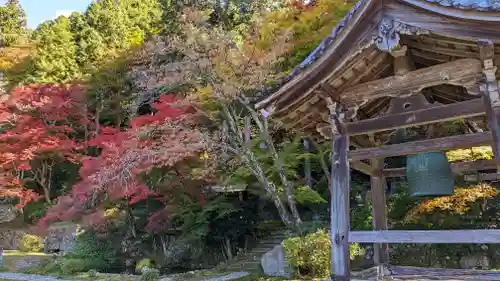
(261, 250)
(274, 241)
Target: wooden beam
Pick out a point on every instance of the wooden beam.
(408, 148)
(443, 113)
(363, 168)
(481, 177)
(457, 167)
(489, 90)
(443, 273)
(457, 72)
(478, 236)
(379, 211)
(339, 208)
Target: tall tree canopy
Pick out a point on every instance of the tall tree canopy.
(12, 23)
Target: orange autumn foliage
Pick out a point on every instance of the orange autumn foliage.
(458, 203)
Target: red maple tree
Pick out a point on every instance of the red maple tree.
(37, 131)
(159, 140)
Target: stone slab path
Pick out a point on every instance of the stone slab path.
(29, 277)
(34, 277)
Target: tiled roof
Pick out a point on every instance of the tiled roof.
(315, 54)
(478, 5)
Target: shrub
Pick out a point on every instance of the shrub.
(150, 275)
(72, 266)
(96, 253)
(52, 268)
(3, 269)
(310, 255)
(144, 263)
(92, 273)
(31, 243)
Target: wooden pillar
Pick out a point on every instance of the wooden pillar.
(379, 211)
(490, 92)
(339, 208)
(307, 163)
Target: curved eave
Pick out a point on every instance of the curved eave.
(344, 41)
(331, 52)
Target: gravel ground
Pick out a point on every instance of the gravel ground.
(29, 277)
(230, 276)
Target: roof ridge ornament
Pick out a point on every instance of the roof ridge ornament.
(387, 37)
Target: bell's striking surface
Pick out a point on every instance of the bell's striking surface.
(429, 174)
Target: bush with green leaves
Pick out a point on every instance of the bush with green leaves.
(31, 243)
(72, 266)
(310, 255)
(96, 253)
(143, 264)
(150, 275)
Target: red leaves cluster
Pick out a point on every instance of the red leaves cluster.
(36, 122)
(160, 140)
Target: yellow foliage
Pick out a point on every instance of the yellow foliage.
(458, 203)
(11, 56)
(112, 212)
(309, 26)
(469, 154)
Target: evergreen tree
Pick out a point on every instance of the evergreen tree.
(54, 60)
(12, 23)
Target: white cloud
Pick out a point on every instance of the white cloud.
(65, 13)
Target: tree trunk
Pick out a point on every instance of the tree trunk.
(324, 165)
(228, 247)
(270, 188)
(287, 186)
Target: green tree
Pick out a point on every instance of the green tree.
(124, 24)
(54, 59)
(12, 23)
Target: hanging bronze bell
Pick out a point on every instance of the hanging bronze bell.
(429, 174)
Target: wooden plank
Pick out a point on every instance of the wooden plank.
(456, 72)
(379, 211)
(339, 208)
(475, 236)
(408, 148)
(457, 167)
(443, 113)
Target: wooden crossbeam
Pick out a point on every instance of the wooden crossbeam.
(408, 148)
(457, 167)
(457, 72)
(477, 236)
(458, 110)
(364, 168)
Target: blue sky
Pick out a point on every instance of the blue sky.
(41, 10)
